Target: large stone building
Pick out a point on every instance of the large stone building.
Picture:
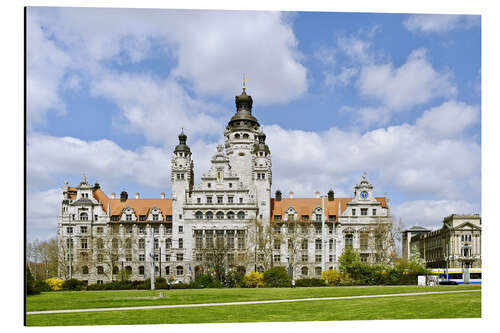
(228, 219)
(457, 244)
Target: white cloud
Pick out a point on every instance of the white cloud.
(440, 23)
(154, 107)
(43, 209)
(404, 157)
(430, 213)
(415, 82)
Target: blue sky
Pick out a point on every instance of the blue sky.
(338, 94)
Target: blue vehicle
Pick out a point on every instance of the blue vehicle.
(459, 275)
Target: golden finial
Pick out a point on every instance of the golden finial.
(245, 79)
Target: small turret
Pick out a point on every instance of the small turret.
(123, 196)
(182, 147)
(278, 195)
(331, 195)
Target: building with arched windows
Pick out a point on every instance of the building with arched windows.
(229, 220)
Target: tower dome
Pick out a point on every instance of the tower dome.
(182, 146)
(243, 118)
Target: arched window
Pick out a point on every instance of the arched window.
(198, 215)
(85, 270)
(128, 269)
(237, 136)
(100, 244)
(180, 270)
(115, 270)
(167, 270)
(317, 244)
(304, 271)
(220, 215)
(209, 215)
(348, 240)
(141, 270)
(230, 215)
(100, 270)
(245, 136)
(317, 271)
(241, 215)
(84, 216)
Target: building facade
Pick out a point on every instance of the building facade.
(456, 245)
(228, 220)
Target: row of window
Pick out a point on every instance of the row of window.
(364, 211)
(220, 199)
(305, 218)
(128, 218)
(179, 270)
(305, 244)
(115, 229)
(304, 229)
(219, 215)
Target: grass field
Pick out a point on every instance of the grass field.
(459, 305)
(124, 298)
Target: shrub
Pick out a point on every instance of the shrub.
(54, 283)
(31, 288)
(205, 281)
(95, 287)
(253, 280)
(180, 286)
(312, 282)
(277, 277)
(73, 284)
(234, 278)
(41, 285)
(332, 277)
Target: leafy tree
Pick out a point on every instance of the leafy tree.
(277, 277)
(30, 283)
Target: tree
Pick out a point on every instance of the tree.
(277, 277)
(383, 241)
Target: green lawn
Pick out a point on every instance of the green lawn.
(459, 305)
(124, 298)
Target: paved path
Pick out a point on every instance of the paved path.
(246, 303)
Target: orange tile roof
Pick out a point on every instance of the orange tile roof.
(140, 206)
(72, 193)
(306, 206)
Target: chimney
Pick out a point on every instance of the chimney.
(123, 196)
(137, 195)
(278, 195)
(162, 195)
(317, 194)
(291, 194)
(331, 195)
(113, 195)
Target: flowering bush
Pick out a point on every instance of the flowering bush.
(253, 280)
(54, 283)
(332, 277)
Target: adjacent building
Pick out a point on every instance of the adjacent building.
(457, 244)
(228, 220)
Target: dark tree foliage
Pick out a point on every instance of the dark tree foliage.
(277, 277)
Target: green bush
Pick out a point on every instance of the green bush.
(277, 277)
(41, 285)
(180, 286)
(205, 281)
(30, 283)
(234, 278)
(73, 284)
(312, 282)
(95, 287)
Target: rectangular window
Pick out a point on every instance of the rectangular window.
(305, 244)
(305, 258)
(181, 243)
(83, 242)
(99, 230)
(155, 217)
(142, 218)
(277, 229)
(142, 230)
(260, 257)
(317, 229)
(128, 257)
(219, 200)
(241, 200)
(318, 217)
(156, 229)
(276, 258)
(156, 244)
(181, 229)
(241, 240)
(364, 211)
(69, 230)
(305, 218)
(83, 230)
(353, 212)
(199, 257)
(180, 257)
(330, 230)
(277, 217)
(141, 257)
(129, 217)
(167, 257)
(209, 200)
(318, 258)
(230, 200)
(95, 217)
(277, 244)
(230, 239)
(374, 211)
(198, 200)
(129, 229)
(199, 240)
(330, 258)
(331, 218)
(169, 218)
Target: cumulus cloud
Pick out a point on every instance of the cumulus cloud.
(440, 23)
(43, 208)
(415, 82)
(154, 107)
(430, 213)
(209, 61)
(404, 157)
